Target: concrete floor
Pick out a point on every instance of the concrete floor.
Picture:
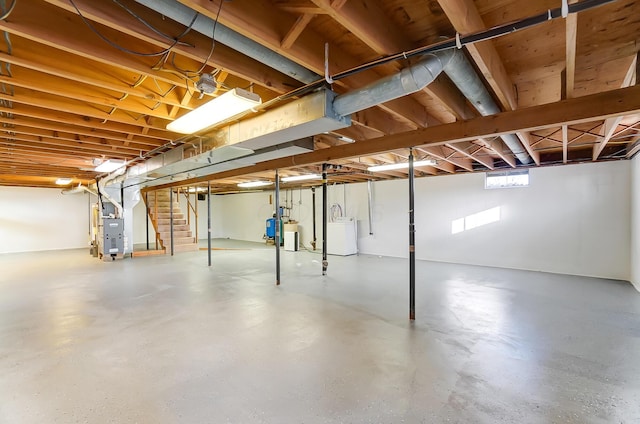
(169, 340)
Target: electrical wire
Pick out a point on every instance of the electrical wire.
(455, 42)
(124, 49)
(488, 34)
(213, 46)
(6, 14)
(148, 25)
(213, 38)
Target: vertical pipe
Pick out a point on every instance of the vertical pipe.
(277, 234)
(370, 205)
(171, 217)
(412, 243)
(122, 198)
(344, 199)
(146, 202)
(325, 263)
(89, 205)
(209, 221)
(313, 212)
(196, 212)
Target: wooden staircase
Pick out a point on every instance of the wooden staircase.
(159, 207)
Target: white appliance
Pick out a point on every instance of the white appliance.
(342, 237)
(291, 241)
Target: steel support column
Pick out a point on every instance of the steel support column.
(209, 221)
(277, 233)
(146, 202)
(171, 217)
(313, 212)
(412, 243)
(325, 263)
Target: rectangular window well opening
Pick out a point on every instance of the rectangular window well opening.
(507, 179)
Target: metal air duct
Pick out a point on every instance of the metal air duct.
(407, 81)
(263, 137)
(464, 76)
(204, 25)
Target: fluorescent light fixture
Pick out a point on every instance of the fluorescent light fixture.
(301, 177)
(63, 181)
(109, 165)
(403, 165)
(223, 107)
(254, 184)
(346, 139)
(197, 189)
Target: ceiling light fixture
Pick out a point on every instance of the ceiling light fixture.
(403, 165)
(223, 107)
(254, 184)
(63, 181)
(301, 178)
(109, 165)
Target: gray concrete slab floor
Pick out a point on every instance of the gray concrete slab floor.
(169, 340)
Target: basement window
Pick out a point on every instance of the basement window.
(506, 179)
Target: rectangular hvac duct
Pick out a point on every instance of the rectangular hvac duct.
(305, 117)
(263, 137)
(200, 169)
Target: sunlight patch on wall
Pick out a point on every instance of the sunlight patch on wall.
(475, 220)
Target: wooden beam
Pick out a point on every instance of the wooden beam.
(571, 31)
(525, 139)
(368, 22)
(472, 151)
(72, 132)
(191, 56)
(295, 31)
(265, 25)
(83, 121)
(611, 124)
(565, 143)
(466, 19)
(68, 71)
(29, 97)
(72, 90)
(497, 147)
(298, 7)
(624, 101)
(55, 138)
(440, 153)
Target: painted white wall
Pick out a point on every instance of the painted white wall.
(635, 222)
(572, 219)
(33, 219)
(139, 225)
(579, 219)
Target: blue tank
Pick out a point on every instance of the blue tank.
(271, 228)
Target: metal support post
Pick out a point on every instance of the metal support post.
(209, 221)
(325, 263)
(146, 202)
(313, 211)
(412, 243)
(171, 217)
(277, 234)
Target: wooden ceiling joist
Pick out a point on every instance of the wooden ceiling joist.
(571, 111)
(68, 96)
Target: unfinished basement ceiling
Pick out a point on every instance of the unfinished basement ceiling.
(70, 97)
